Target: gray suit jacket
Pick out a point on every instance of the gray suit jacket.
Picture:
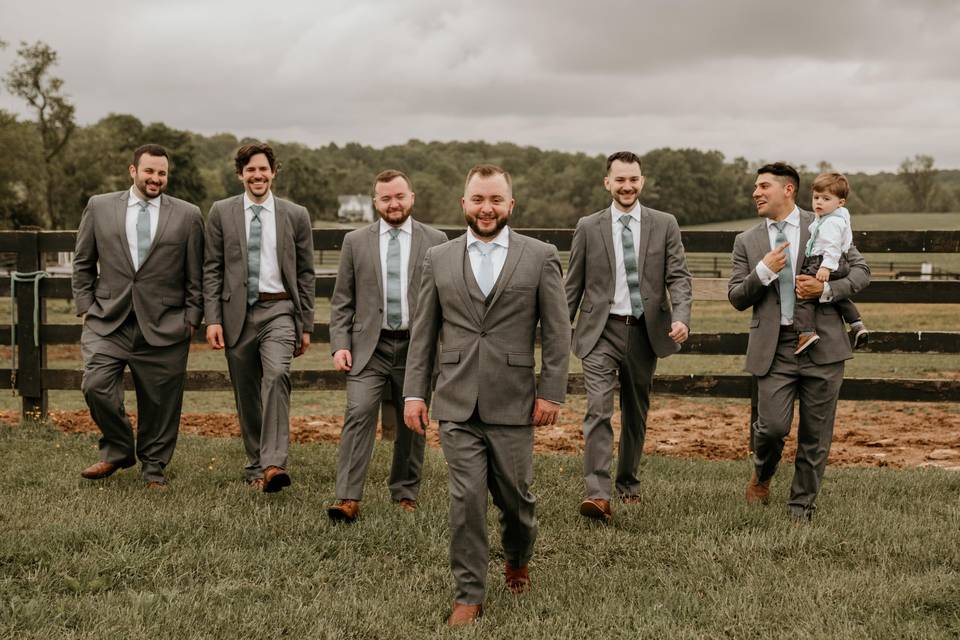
(745, 290)
(662, 264)
(487, 359)
(165, 293)
(356, 308)
(225, 265)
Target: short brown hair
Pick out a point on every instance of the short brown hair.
(487, 170)
(782, 170)
(390, 175)
(628, 157)
(835, 183)
(247, 151)
(150, 150)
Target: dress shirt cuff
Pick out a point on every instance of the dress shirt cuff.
(827, 295)
(550, 401)
(409, 398)
(765, 273)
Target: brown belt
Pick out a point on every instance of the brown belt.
(625, 319)
(264, 296)
(395, 335)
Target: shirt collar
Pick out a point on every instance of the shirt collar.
(793, 219)
(502, 239)
(266, 204)
(407, 226)
(633, 213)
(135, 199)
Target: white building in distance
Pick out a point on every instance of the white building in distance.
(355, 208)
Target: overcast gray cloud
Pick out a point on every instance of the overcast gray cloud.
(861, 83)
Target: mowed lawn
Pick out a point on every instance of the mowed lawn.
(211, 559)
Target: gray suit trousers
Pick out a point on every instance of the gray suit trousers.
(158, 377)
(481, 457)
(259, 365)
(622, 351)
(817, 387)
(364, 392)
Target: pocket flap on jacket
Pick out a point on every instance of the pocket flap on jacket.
(449, 357)
(168, 301)
(520, 359)
(102, 292)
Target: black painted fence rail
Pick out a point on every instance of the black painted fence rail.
(34, 379)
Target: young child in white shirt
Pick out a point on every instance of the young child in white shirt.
(830, 237)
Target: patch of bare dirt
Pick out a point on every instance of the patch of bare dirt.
(879, 434)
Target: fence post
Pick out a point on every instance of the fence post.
(31, 358)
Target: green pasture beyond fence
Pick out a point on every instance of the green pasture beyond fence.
(32, 379)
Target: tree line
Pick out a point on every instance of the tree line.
(54, 165)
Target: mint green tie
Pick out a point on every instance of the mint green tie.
(394, 306)
(253, 255)
(814, 234)
(143, 232)
(630, 265)
(484, 274)
(788, 296)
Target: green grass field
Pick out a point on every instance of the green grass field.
(211, 559)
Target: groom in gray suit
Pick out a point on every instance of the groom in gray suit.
(482, 295)
(258, 289)
(140, 308)
(624, 260)
(765, 261)
(373, 301)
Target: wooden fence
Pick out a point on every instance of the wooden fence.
(33, 379)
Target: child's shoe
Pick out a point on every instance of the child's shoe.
(806, 341)
(858, 334)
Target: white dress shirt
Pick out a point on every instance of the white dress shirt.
(270, 281)
(405, 238)
(792, 231)
(621, 291)
(834, 237)
(130, 223)
(498, 253)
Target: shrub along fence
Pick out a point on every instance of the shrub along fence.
(31, 288)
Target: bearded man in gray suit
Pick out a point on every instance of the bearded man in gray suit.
(765, 261)
(140, 309)
(258, 288)
(373, 301)
(482, 295)
(624, 261)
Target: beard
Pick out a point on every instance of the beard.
(498, 227)
(395, 217)
(150, 189)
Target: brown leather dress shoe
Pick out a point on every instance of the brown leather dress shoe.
(517, 579)
(100, 470)
(596, 508)
(758, 491)
(344, 510)
(408, 505)
(464, 614)
(275, 479)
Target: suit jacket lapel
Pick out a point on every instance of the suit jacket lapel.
(604, 226)
(761, 242)
(120, 217)
(646, 222)
(284, 236)
(373, 253)
(416, 249)
(514, 251)
(460, 280)
(236, 216)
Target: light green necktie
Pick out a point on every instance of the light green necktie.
(788, 296)
(630, 265)
(815, 233)
(394, 307)
(253, 255)
(143, 232)
(485, 279)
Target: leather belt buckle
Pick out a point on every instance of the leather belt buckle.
(266, 296)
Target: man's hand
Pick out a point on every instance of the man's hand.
(679, 332)
(415, 416)
(342, 360)
(545, 412)
(304, 345)
(809, 288)
(215, 336)
(823, 274)
(776, 258)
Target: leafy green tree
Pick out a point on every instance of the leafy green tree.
(919, 177)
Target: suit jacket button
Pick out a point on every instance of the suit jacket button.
(483, 334)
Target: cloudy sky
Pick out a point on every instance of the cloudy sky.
(860, 83)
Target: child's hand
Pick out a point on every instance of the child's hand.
(823, 274)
